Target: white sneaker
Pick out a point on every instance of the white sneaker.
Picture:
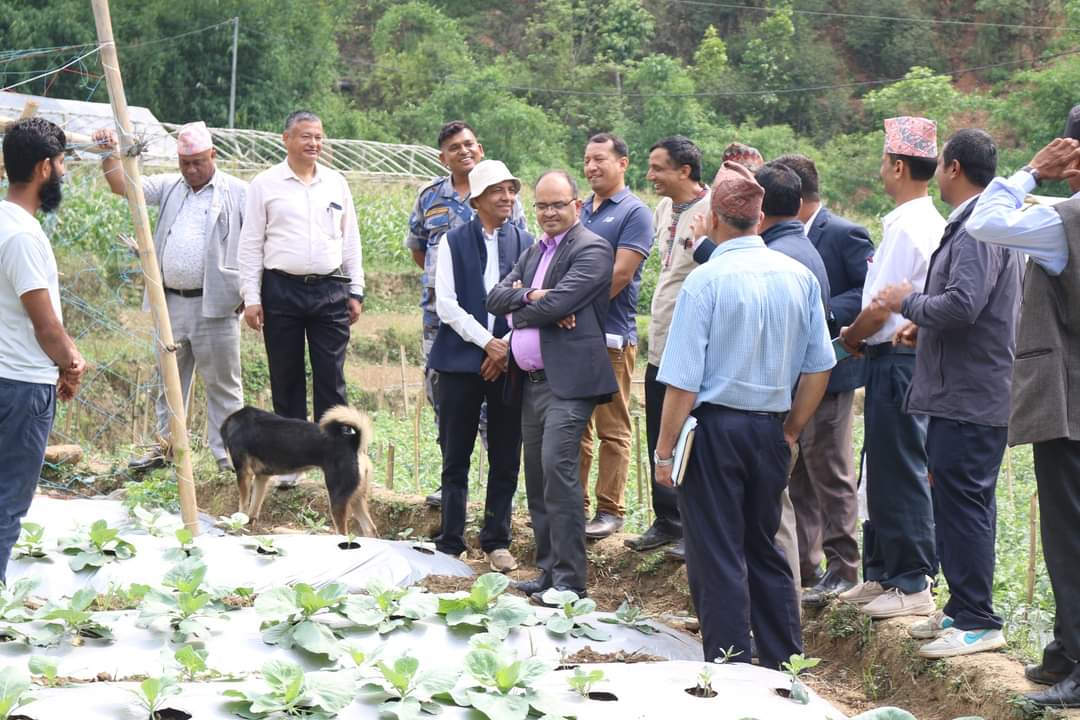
(963, 642)
(862, 593)
(895, 603)
(932, 627)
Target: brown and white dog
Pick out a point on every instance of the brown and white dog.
(262, 444)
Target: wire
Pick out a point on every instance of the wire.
(53, 71)
(175, 37)
(855, 16)
(776, 91)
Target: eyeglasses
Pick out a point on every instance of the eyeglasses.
(556, 206)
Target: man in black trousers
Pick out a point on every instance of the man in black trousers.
(301, 272)
(558, 296)
(470, 354)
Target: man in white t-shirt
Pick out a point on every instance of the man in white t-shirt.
(38, 360)
(898, 540)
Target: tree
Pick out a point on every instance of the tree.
(710, 70)
(921, 92)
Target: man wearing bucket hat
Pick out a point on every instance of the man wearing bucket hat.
(470, 354)
(748, 325)
(196, 240)
(898, 540)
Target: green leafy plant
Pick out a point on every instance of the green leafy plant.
(235, 524)
(499, 686)
(582, 681)
(117, 597)
(485, 605)
(288, 617)
(153, 692)
(14, 690)
(263, 545)
(73, 620)
(13, 599)
(155, 522)
(187, 611)
(291, 692)
(192, 663)
(566, 619)
(46, 667)
(795, 665)
(187, 547)
(406, 692)
(727, 655)
(31, 542)
(703, 688)
(386, 608)
(95, 547)
(631, 616)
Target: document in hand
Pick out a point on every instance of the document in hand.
(682, 450)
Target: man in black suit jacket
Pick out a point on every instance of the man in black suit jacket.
(557, 294)
(823, 484)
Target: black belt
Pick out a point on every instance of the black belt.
(725, 408)
(312, 278)
(887, 348)
(535, 375)
(185, 293)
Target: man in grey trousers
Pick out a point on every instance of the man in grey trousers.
(557, 295)
(196, 239)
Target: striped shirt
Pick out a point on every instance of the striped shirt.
(747, 323)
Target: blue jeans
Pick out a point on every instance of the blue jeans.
(26, 416)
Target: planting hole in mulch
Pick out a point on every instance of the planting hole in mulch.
(349, 545)
(589, 656)
(423, 549)
(602, 696)
(171, 714)
(700, 692)
(783, 692)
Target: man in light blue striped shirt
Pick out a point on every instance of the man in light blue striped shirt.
(748, 328)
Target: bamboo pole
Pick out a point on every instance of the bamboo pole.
(416, 439)
(1033, 546)
(1009, 472)
(404, 390)
(156, 291)
(135, 406)
(637, 464)
(390, 467)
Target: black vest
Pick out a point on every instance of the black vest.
(450, 352)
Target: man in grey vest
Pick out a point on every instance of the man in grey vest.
(1046, 384)
(196, 239)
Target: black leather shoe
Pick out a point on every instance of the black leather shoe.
(530, 587)
(1065, 694)
(656, 536)
(829, 587)
(150, 461)
(602, 525)
(813, 580)
(538, 597)
(677, 552)
(1039, 674)
(434, 499)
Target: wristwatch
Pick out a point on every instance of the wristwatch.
(662, 462)
(1034, 174)
(358, 297)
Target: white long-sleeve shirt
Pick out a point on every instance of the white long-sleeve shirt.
(449, 310)
(299, 228)
(1002, 218)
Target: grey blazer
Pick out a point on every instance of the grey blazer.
(576, 361)
(221, 278)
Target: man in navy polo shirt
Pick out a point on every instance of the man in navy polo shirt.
(620, 217)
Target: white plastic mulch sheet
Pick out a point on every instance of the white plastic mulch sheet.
(313, 559)
(236, 647)
(644, 690)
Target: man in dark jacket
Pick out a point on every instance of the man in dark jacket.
(824, 486)
(558, 296)
(470, 354)
(965, 325)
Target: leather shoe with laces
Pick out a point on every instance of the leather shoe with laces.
(826, 589)
(434, 499)
(1065, 694)
(530, 587)
(656, 536)
(150, 461)
(677, 552)
(602, 525)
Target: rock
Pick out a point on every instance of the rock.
(63, 454)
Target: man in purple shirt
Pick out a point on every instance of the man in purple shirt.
(557, 297)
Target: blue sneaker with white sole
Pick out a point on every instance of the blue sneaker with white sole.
(955, 642)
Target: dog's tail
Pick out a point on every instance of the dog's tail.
(350, 417)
